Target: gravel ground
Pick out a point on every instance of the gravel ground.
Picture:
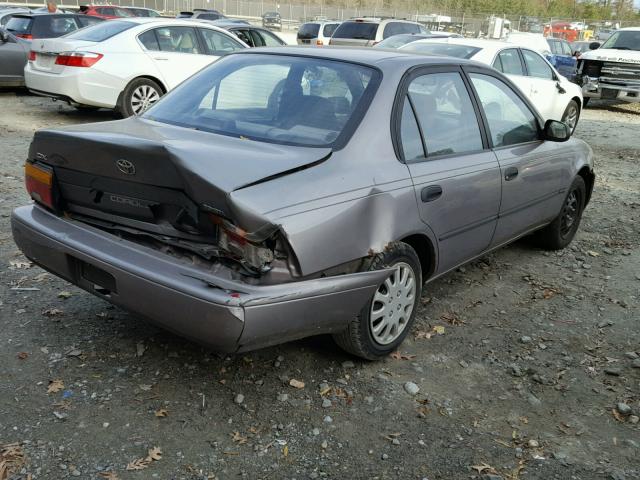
(522, 365)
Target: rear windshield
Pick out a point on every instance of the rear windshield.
(209, 16)
(458, 51)
(19, 25)
(309, 30)
(356, 30)
(102, 31)
(53, 26)
(272, 98)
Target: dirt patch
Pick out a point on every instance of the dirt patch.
(532, 371)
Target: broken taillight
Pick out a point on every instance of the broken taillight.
(39, 182)
(234, 240)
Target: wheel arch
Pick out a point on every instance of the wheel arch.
(589, 180)
(426, 251)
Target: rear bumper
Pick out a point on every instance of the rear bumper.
(80, 86)
(209, 308)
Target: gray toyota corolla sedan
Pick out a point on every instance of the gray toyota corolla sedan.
(282, 193)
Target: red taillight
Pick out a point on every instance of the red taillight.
(78, 59)
(39, 183)
(32, 56)
(26, 36)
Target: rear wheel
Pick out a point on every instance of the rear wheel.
(386, 319)
(138, 96)
(559, 233)
(571, 115)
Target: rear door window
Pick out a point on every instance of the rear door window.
(508, 61)
(245, 36)
(149, 41)
(356, 30)
(445, 114)
(106, 11)
(177, 39)
(536, 65)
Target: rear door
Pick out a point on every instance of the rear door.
(509, 62)
(179, 53)
(455, 176)
(531, 169)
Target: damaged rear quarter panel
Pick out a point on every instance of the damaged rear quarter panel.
(356, 202)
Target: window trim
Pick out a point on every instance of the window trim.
(468, 69)
(398, 104)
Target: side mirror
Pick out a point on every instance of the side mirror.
(594, 45)
(555, 131)
(4, 36)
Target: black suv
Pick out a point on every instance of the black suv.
(30, 26)
(272, 20)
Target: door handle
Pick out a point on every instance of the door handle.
(510, 173)
(560, 88)
(431, 193)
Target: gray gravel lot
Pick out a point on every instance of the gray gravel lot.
(525, 363)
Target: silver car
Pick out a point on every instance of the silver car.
(230, 215)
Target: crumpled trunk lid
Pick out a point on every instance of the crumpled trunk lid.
(141, 170)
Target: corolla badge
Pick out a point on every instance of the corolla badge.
(126, 167)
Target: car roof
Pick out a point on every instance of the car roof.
(44, 14)
(363, 55)
(628, 29)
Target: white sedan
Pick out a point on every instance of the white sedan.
(124, 64)
(555, 97)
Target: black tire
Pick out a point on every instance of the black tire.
(571, 115)
(358, 338)
(585, 101)
(559, 233)
(127, 101)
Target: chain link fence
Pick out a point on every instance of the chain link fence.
(470, 25)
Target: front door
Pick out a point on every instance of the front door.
(14, 58)
(456, 178)
(545, 94)
(531, 171)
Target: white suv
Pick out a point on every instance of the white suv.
(366, 32)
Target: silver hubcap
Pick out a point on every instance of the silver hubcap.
(571, 118)
(393, 304)
(142, 98)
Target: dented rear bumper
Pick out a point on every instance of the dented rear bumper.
(224, 314)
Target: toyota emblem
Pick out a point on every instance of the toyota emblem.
(126, 167)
